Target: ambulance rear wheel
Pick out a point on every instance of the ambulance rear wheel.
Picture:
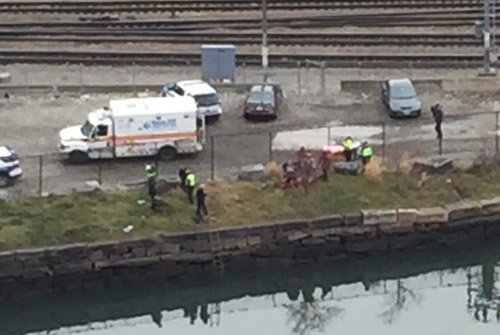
(167, 153)
(78, 157)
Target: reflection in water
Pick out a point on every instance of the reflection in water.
(324, 299)
(487, 297)
(397, 301)
(157, 317)
(310, 315)
(209, 314)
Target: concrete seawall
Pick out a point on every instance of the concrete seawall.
(266, 246)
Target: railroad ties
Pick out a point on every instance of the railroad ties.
(459, 50)
(158, 6)
(458, 60)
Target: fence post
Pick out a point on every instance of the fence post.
(440, 145)
(270, 146)
(81, 79)
(383, 142)
(40, 175)
(323, 79)
(156, 158)
(212, 158)
(26, 87)
(99, 173)
(133, 78)
(496, 132)
(244, 73)
(299, 84)
(329, 136)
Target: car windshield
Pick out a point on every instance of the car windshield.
(87, 128)
(8, 159)
(259, 97)
(403, 91)
(207, 100)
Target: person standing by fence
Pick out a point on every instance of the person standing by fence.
(182, 176)
(438, 114)
(348, 144)
(200, 202)
(324, 163)
(190, 184)
(366, 153)
(151, 174)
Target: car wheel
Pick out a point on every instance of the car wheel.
(4, 181)
(167, 153)
(78, 157)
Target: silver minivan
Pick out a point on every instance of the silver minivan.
(401, 98)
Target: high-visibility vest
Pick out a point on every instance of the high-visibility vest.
(367, 151)
(150, 170)
(191, 180)
(348, 143)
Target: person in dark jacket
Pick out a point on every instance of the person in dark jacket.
(151, 174)
(324, 163)
(182, 176)
(438, 114)
(200, 201)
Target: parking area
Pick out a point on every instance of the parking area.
(313, 116)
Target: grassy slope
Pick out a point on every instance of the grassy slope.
(90, 217)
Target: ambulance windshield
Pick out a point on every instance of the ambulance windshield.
(87, 128)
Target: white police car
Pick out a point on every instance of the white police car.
(10, 169)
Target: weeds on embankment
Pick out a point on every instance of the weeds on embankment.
(100, 216)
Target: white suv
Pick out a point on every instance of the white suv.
(205, 95)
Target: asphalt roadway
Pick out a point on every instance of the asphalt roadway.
(31, 121)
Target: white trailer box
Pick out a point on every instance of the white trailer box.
(163, 126)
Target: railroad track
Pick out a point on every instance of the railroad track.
(240, 38)
(251, 59)
(419, 18)
(149, 6)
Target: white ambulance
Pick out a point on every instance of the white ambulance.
(163, 126)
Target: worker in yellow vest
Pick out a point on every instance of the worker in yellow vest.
(190, 184)
(366, 152)
(348, 144)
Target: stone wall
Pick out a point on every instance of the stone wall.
(280, 244)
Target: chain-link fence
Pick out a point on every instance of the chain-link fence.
(224, 155)
(304, 79)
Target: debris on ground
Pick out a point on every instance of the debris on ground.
(433, 164)
(352, 168)
(254, 172)
(128, 229)
(4, 77)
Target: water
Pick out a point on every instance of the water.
(439, 291)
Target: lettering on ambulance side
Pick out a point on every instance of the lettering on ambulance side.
(159, 124)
